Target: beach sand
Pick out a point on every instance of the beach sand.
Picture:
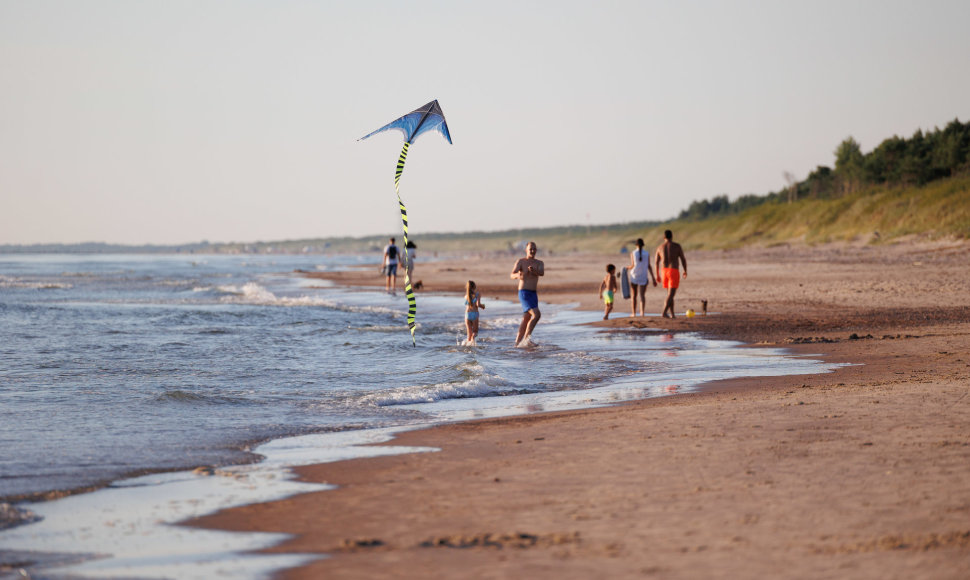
(861, 473)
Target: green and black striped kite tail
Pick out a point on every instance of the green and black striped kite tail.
(430, 117)
(412, 303)
(400, 170)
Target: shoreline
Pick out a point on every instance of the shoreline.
(513, 496)
(927, 348)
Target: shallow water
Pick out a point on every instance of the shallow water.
(117, 364)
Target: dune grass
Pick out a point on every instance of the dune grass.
(940, 209)
(877, 215)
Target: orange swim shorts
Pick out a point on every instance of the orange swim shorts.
(671, 277)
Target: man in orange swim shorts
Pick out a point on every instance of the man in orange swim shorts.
(669, 257)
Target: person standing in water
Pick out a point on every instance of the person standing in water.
(473, 301)
(608, 290)
(639, 268)
(669, 256)
(527, 271)
(391, 255)
(408, 258)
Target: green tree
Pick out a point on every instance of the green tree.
(848, 155)
(884, 164)
(915, 168)
(949, 155)
(849, 164)
(820, 183)
(922, 158)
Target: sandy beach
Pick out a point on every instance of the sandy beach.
(861, 473)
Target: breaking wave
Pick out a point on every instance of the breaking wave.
(473, 382)
(180, 396)
(255, 294)
(9, 282)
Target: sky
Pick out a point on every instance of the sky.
(178, 121)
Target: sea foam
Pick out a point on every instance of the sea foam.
(474, 382)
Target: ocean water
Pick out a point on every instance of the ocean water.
(113, 366)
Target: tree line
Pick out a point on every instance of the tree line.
(916, 161)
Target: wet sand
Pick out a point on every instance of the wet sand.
(861, 473)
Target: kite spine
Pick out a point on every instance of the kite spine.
(412, 303)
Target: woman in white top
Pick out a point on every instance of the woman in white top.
(639, 269)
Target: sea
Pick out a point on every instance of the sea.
(176, 385)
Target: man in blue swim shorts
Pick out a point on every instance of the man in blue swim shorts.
(527, 271)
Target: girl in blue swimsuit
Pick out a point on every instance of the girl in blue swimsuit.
(473, 301)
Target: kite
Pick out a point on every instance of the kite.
(421, 120)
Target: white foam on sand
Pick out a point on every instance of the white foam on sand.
(128, 531)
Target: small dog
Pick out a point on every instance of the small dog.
(418, 285)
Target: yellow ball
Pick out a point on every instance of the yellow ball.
(690, 313)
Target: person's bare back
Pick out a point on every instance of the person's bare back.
(669, 257)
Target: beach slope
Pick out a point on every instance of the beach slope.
(861, 473)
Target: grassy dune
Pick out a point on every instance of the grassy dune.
(939, 209)
(876, 215)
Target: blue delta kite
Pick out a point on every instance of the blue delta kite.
(419, 121)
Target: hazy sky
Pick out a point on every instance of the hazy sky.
(176, 121)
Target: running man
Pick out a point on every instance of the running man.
(669, 256)
(527, 271)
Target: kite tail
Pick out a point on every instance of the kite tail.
(412, 303)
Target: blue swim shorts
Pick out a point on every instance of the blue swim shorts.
(529, 300)
(471, 315)
(391, 270)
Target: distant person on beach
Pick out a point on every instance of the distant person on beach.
(527, 271)
(639, 268)
(669, 256)
(473, 301)
(412, 249)
(608, 286)
(391, 255)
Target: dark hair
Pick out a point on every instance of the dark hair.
(668, 234)
(610, 268)
(639, 242)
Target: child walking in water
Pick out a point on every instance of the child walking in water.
(608, 285)
(473, 301)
